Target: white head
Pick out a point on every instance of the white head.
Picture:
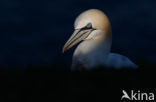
(91, 24)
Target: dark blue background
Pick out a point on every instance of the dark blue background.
(34, 31)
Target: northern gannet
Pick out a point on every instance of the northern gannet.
(93, 30)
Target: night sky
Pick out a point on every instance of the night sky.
(34, 31)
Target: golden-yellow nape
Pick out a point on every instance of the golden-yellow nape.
(85, 24)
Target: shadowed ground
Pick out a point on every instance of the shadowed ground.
(52, 84)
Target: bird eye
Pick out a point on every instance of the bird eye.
(89, 26)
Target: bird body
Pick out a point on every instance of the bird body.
(93, 30)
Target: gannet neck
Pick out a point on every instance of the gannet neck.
(92, 53)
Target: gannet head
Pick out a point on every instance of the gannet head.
(91, 24)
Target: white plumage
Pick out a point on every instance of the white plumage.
(93, 30)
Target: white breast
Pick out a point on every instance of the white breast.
(90, 54)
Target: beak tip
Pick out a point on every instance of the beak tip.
(64, 49)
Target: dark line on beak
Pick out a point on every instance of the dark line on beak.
(76, 38)
(77, 33)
